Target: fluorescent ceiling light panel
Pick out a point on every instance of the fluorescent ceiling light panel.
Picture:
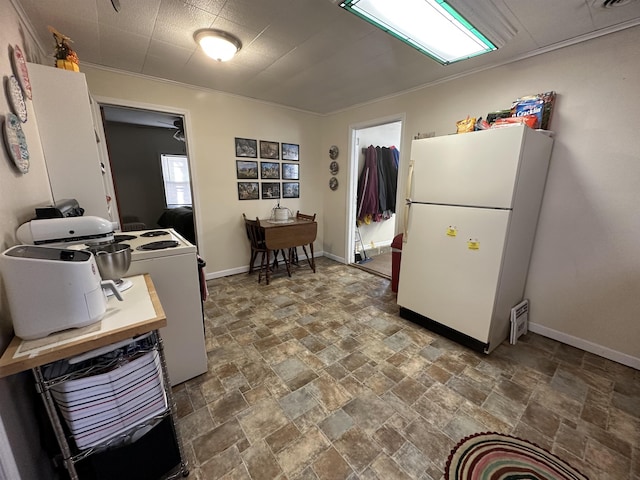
(431, 26)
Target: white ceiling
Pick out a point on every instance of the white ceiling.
(307, 54)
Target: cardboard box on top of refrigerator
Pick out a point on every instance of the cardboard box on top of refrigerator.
(541, 105)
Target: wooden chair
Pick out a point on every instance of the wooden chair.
(258, 247)
(293, 252)
(255, 234)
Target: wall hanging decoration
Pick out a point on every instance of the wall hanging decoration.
(267, 171)
(248, 191)
(290, 171)
(333, 152)
(270, 170)
(15, 142)
(246, 147)
(290, 189)
(290, 151)
(270, 150)
(16, 99)
(246, 169)
(270, 190)
(334, 168)
(21, 72)
(333, 183)
(66, 58)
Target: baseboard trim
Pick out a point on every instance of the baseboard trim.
(586, 345)
(245, 268)
(335, 257)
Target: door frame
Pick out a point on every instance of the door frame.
(352, 177)
(186, 116)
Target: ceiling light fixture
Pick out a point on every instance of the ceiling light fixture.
(219, 45)
(432, 27)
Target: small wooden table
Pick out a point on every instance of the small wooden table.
(287, 234)
(139, 314)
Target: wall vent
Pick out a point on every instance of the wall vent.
(519, 321)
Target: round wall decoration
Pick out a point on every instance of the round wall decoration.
(15, 142)
(333, 183)
(333, 152)
(16, 99)
(20, 69)
(334, 168)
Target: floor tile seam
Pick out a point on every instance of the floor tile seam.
(395, 462)
(593, 378)
(244, 461)
(587, 459)
(370, 438)
(508, 400)
(439, 430)
(400, 464)
(332, 445)
(309, 462)
(557, 444)
(539, 389)
(623, 414)
(584, 427)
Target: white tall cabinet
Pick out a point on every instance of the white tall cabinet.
(72, 140)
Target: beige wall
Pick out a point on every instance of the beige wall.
(213, 121)
(584, 277)
(19, 195)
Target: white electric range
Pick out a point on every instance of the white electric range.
(172, 262)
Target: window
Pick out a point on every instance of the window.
(175, 176)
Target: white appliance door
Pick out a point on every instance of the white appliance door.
(450, 265)
(176, 280)
(476, 169)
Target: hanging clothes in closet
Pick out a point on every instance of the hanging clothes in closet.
(377, 184)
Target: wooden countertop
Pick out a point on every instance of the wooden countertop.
(139, 313)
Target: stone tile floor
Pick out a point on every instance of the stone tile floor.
(317, 377)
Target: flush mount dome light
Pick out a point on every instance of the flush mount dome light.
(432, 27)
(219, 45)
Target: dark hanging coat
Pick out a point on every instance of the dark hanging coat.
(368, 186)
(388, 172)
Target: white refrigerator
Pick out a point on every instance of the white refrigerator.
(472, 207)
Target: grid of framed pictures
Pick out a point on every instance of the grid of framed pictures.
(260, 178)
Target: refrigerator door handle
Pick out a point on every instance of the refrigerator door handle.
(407, 190)
(405, 234)
(407, 206)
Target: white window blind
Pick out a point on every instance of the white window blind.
(177, 185)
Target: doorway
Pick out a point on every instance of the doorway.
(146, 184)
(369, 237)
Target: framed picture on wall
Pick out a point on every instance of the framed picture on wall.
(248, 191)
(290, 151)
(270, 170)
(269, 150)
(246, 147)
(270, 190)
(290, 189)
(290, 171)
(246, 169)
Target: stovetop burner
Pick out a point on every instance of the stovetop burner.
(160, 245)
(123, 238)
(155, 233)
